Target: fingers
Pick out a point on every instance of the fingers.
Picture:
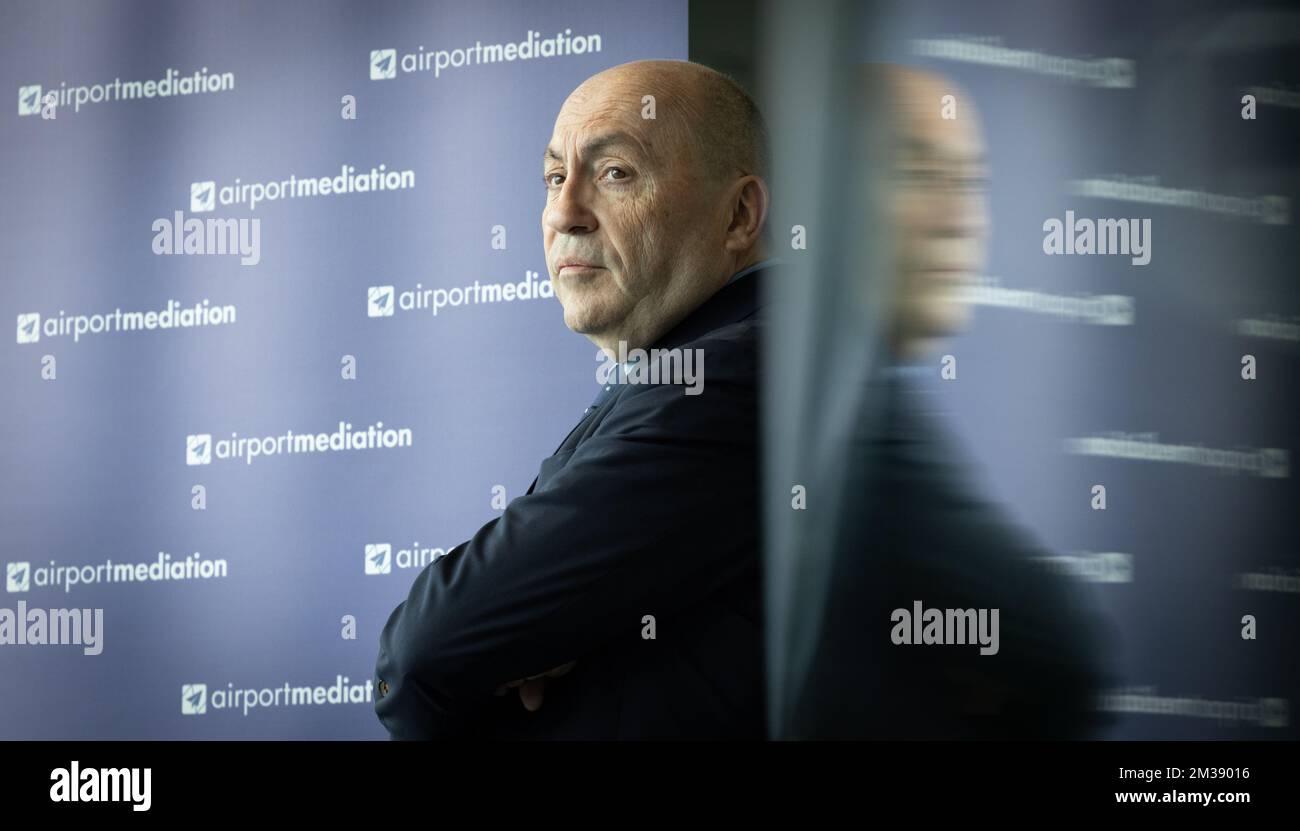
(532, 688)
(561, 670)
(530, 694)
(550, 673)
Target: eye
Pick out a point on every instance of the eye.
(622, 173)
(919, 174)
(549, 179)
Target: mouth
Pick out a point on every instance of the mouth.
(946, 274)
(574, 268)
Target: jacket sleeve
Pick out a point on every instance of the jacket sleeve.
(653, 512)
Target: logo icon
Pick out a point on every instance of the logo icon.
(29, 327)
(380, 301)
(29, 100)
(379, 559)
(202, 196)
(198, 449)
(194, 699)
(383, 64)
(18, 577)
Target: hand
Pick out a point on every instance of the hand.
(532, 688)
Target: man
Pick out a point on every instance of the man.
(921, 531)
(620, 597)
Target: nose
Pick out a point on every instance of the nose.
(570, 211)
(963, 212)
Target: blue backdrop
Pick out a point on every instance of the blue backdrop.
(100, 462)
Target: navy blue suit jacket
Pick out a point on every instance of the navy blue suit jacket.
(920, 529)
(650, 506)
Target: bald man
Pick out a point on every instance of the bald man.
(619, 598)
(927, 533)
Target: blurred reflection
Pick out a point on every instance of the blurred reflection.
(919, 553)
(938, 205)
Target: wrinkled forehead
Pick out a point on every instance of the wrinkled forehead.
(601, 113)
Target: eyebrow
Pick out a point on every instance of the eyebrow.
(926, 149)
(596, 145)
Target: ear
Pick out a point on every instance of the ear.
(749, 205)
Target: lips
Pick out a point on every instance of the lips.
(946, 272)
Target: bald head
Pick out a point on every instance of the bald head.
(714, 119)
(655, 196)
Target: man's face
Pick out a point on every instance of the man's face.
(624, 204)
(939, 207)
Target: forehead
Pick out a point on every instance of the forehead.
(920, 128)
(610, 113)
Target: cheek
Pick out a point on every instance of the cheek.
(548, 239)
(908, 245)
(904, 220)
(911, 211)
(635, 237)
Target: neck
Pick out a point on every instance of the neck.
(744, 261)
(637, 334)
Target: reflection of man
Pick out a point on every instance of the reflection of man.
(939, 209)
(653, 229)
(925, 534)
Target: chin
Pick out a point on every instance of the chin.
(576, 322)
(932, 320)
(944, 320)
(584, 321)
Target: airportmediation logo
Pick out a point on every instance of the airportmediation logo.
(202, 196)
(198, 449)
(18, 577)
(207, 195)
(1115, 73)
(380, 558)
(29, 327)
(173, 316)
(22, 576)
(383, 64)
(202, 449)
(29, 100)
(173, 83)
(385, 301)
(379, 301)
(194, 699)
